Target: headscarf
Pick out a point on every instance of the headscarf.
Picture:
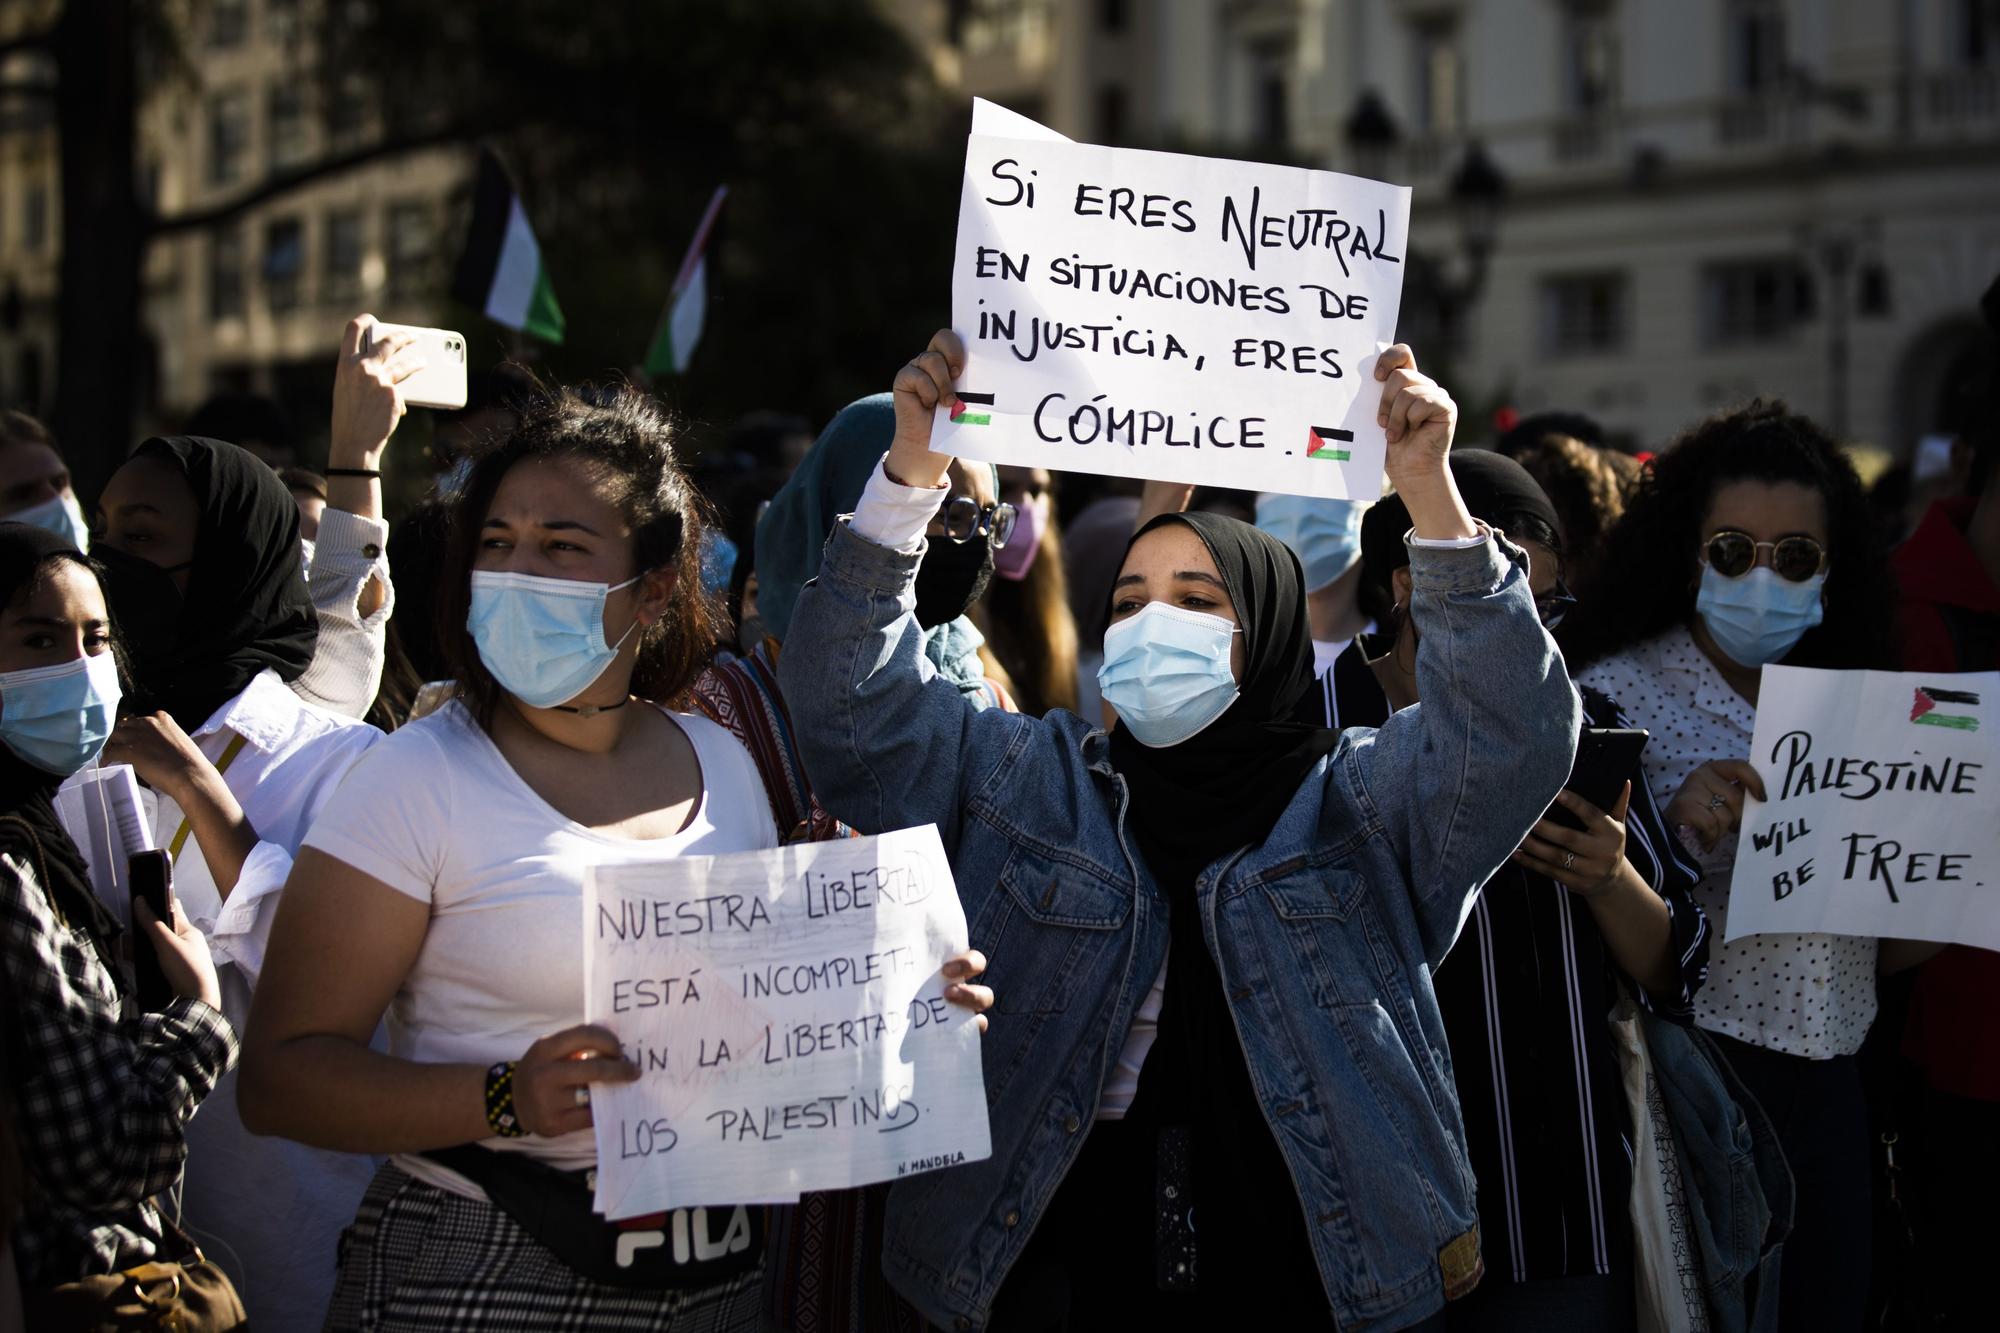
(791, 536)
(1192, 804)
(27, 793)
(1242, 770)
(1495, 488)
(246, 607)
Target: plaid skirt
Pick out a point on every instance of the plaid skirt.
(420, 1258)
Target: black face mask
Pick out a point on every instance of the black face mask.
(145, 603)
(952, 577)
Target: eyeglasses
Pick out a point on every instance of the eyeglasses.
(965, 518)
(1734, 554)
(1554, 604)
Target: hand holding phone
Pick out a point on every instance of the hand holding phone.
(170, 957)
(442, 381)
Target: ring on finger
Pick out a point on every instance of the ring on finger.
(1717, 801)
(1569, 860)
(581, 1094)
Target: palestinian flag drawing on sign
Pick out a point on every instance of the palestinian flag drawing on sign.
(962, 413)
(1322, 444)
(1924, 712)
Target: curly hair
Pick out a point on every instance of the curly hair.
(624, 443)
(1588, 486)
(1646, 582)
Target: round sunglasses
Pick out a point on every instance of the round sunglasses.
(1734, 554)
(964, 518)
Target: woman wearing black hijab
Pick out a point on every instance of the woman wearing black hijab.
(1217, 1079)
(1526, 993)
(200, 542)
(97, 1092)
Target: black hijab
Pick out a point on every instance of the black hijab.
(1192, 804)
(246, 607)
(1243, 769)
(29, 829)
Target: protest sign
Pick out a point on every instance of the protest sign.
(788, 1020)
(1152, 314)
(1880, 819)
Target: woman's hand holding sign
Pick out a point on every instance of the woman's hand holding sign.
(920, 386)
(1710, 803)
(1418, 418)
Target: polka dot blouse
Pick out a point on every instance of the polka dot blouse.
(1808, 995)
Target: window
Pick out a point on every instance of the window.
(1111, 113)
(1589, 58)
(35, 217)
(1274, 108)
(1440, 78)
(225, 273)
(1753, 300)
(409, 248)
(285, 126)
(281, 19)
(347, 110)
(228, 22)
(340, 255)
(284, 261)
(1976, 34)
(228, 136)
(1585, 314)
(1756, 50)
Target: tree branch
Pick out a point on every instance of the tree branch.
(276, 187)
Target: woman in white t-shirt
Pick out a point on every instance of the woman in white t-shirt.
(443, 885)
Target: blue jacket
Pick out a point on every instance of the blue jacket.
(1325, 935)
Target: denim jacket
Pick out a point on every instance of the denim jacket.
(1325, 935)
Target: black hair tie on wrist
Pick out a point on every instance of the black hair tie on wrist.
(372, 473)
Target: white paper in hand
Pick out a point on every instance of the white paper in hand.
(788, 1019)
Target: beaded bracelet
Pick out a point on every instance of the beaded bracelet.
(500, 1114)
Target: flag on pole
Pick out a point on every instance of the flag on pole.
(681, 322)
(501, 271)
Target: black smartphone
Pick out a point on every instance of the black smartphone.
(151, 875)
(1606, 759)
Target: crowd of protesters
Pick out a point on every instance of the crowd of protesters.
(1306, 972)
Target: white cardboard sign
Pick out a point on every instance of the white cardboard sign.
(1151, 314)
(788, 1019)
(1883, 815)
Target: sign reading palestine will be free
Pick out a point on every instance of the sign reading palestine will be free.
(1152, 314)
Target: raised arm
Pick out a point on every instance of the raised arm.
(887, 743)
(1460, 778)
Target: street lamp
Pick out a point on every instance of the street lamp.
(1371, 136)
(1477, 191)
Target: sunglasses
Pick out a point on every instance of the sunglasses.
(1734, 554)
(1554, 604)
(965, 518)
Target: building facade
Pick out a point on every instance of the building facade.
(257, 302)
(1703, 199)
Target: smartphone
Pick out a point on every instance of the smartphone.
(151, 875)
(1606, 759)
(441, 383)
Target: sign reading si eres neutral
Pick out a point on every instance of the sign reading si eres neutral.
(1157, 315)
(1883, 790)
(787, 1016)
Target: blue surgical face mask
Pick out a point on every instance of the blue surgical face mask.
(57, 717)
(1166, 670)
(1324, 534)
(1760, 617)
(60, 514)
(543, 639)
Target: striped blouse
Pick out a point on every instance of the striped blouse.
(1525, 994)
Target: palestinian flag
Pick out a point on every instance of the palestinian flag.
(500, 273)
(1323, 443)
(1924, 712)
(687, 304)
(963, 415)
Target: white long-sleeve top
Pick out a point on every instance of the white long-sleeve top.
(346, 668)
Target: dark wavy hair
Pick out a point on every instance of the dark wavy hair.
(624, 442)
(1646, 583)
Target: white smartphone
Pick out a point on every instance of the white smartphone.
(441, 383)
